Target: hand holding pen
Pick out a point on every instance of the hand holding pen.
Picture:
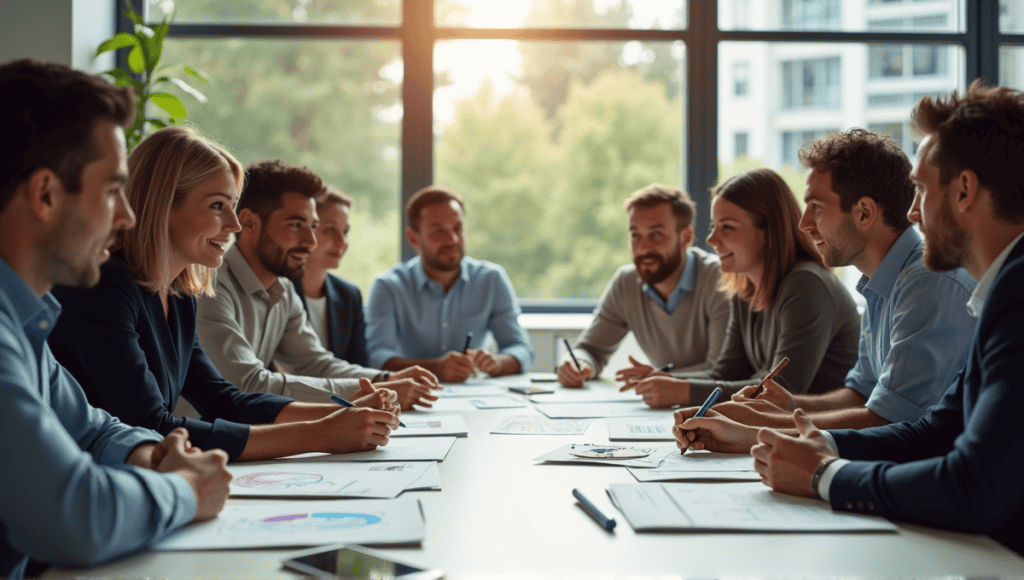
(571, 373)
(752, 392)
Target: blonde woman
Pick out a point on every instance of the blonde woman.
(131, 341)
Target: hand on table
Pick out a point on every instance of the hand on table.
(772, 392)
(568, 376)
(485, 360)
(413, 386)
(787, 463)
(713, 432)
(637, 372)
(380, 397)
(351, 429)
(205, 471)
(661, 392)
(454, 367)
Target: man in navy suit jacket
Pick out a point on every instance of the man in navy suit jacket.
(960, 465)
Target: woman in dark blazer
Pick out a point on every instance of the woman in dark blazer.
(334, 305)
(131, 341)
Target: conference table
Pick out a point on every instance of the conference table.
(501, 514)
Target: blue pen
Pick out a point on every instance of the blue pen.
(574, 359)
(668, 368)
(707, 405)
(604, 521)
(346, 403)
(469, 337)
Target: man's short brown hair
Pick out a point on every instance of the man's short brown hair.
(47, 116)
(865, 164)
(266, 182)
(430, 195)
(654, 194)
(983, 131)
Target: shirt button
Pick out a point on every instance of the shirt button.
(44, 324)
(849, 505)
(444, 325)
(860, 505)
(871, 506)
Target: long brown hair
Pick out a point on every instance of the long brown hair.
(770, 203)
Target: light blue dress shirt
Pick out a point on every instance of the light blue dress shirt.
(409, 315)
(915, 334)
(684, 285)
(66, 495)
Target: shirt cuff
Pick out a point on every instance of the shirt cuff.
(831, 442)
(826, 477)
(892, 407)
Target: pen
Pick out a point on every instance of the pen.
(604, 521)
(707, 405)
(668, 368)
(346, 403)
(574, 359)
(771, 375)
(469, 337)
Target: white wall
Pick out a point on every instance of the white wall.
(62, 31)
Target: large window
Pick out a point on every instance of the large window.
(546, 114)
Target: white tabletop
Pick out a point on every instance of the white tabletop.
(502, 514)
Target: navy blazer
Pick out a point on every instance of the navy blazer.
(346, 326)
(960, 465)
(134, 363)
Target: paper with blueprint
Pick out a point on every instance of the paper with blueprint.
(701, 466)
(732, 507)
(303, 523)
(326, 479)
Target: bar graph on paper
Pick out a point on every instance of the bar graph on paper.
(658, 428)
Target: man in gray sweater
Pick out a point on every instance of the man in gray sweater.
(668, 297)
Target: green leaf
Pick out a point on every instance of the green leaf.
(171, 104)
(155, 48)
(120, 40)
(189, 89)
(135, 17)
(136, 61)
(197, 74)
(156, 123)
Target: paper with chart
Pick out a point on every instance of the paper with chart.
(470, 390)
(734, 507)
(540, 425)
(702, 466)
(366, 480)
(595, 410)
(303, 523)
(404, 449)
(655, 455)
(497, 402)
(602, 394)
(430, 480)
(654, 428)
(422, 425)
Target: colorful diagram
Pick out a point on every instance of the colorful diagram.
(325, 520)
(277, 480)
(646, 429)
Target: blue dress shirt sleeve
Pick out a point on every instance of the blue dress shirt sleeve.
(382, 320)
(504, 324)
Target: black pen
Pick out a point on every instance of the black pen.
(574, 359)
(668, 368)
(346, 403)
(602, 520)
(469, 337)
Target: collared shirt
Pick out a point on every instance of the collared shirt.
(65, 494)
(977, 301)
(684, 285)
(914, 338)
(409, 315)
(245, 327)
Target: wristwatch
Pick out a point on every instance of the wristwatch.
(816, 478)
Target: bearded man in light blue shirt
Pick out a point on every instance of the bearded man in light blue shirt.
(436, 309)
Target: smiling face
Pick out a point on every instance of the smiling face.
(657, 243)
(945, 242)
(201, 223)
(89, 220)
(440, 239)
(331, 237)
(737, 241)
(832, 230)
(287, 237)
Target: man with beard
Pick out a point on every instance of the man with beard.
(436, 309)
(959, 466)
(668, 297)
(914, 335)
(256, 317)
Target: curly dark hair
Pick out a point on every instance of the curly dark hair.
(266, 182)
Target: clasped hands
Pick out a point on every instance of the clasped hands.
(410, 386)
(456, 367)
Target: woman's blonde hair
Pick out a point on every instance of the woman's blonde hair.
(769, 202)
(162, 169)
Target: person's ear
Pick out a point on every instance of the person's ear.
(866, 212)
(249, 221)
(46, 194)
(966, 190)
(686, 237)
(413, 237)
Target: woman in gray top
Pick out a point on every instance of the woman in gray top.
(784, 302)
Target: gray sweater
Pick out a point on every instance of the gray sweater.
(690, 337)
(814, 322)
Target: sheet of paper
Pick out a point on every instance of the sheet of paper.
(402, 449)
(432, 425)
(603, 394)
(304, 523)
(702, 466)
(735, 506)
(430, 480)
(595, 410)
(470, 390)
(655, 428)
(540, 425)
(656, 454)
(498, 402)
(367, 480)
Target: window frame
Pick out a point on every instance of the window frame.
(418, 33)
